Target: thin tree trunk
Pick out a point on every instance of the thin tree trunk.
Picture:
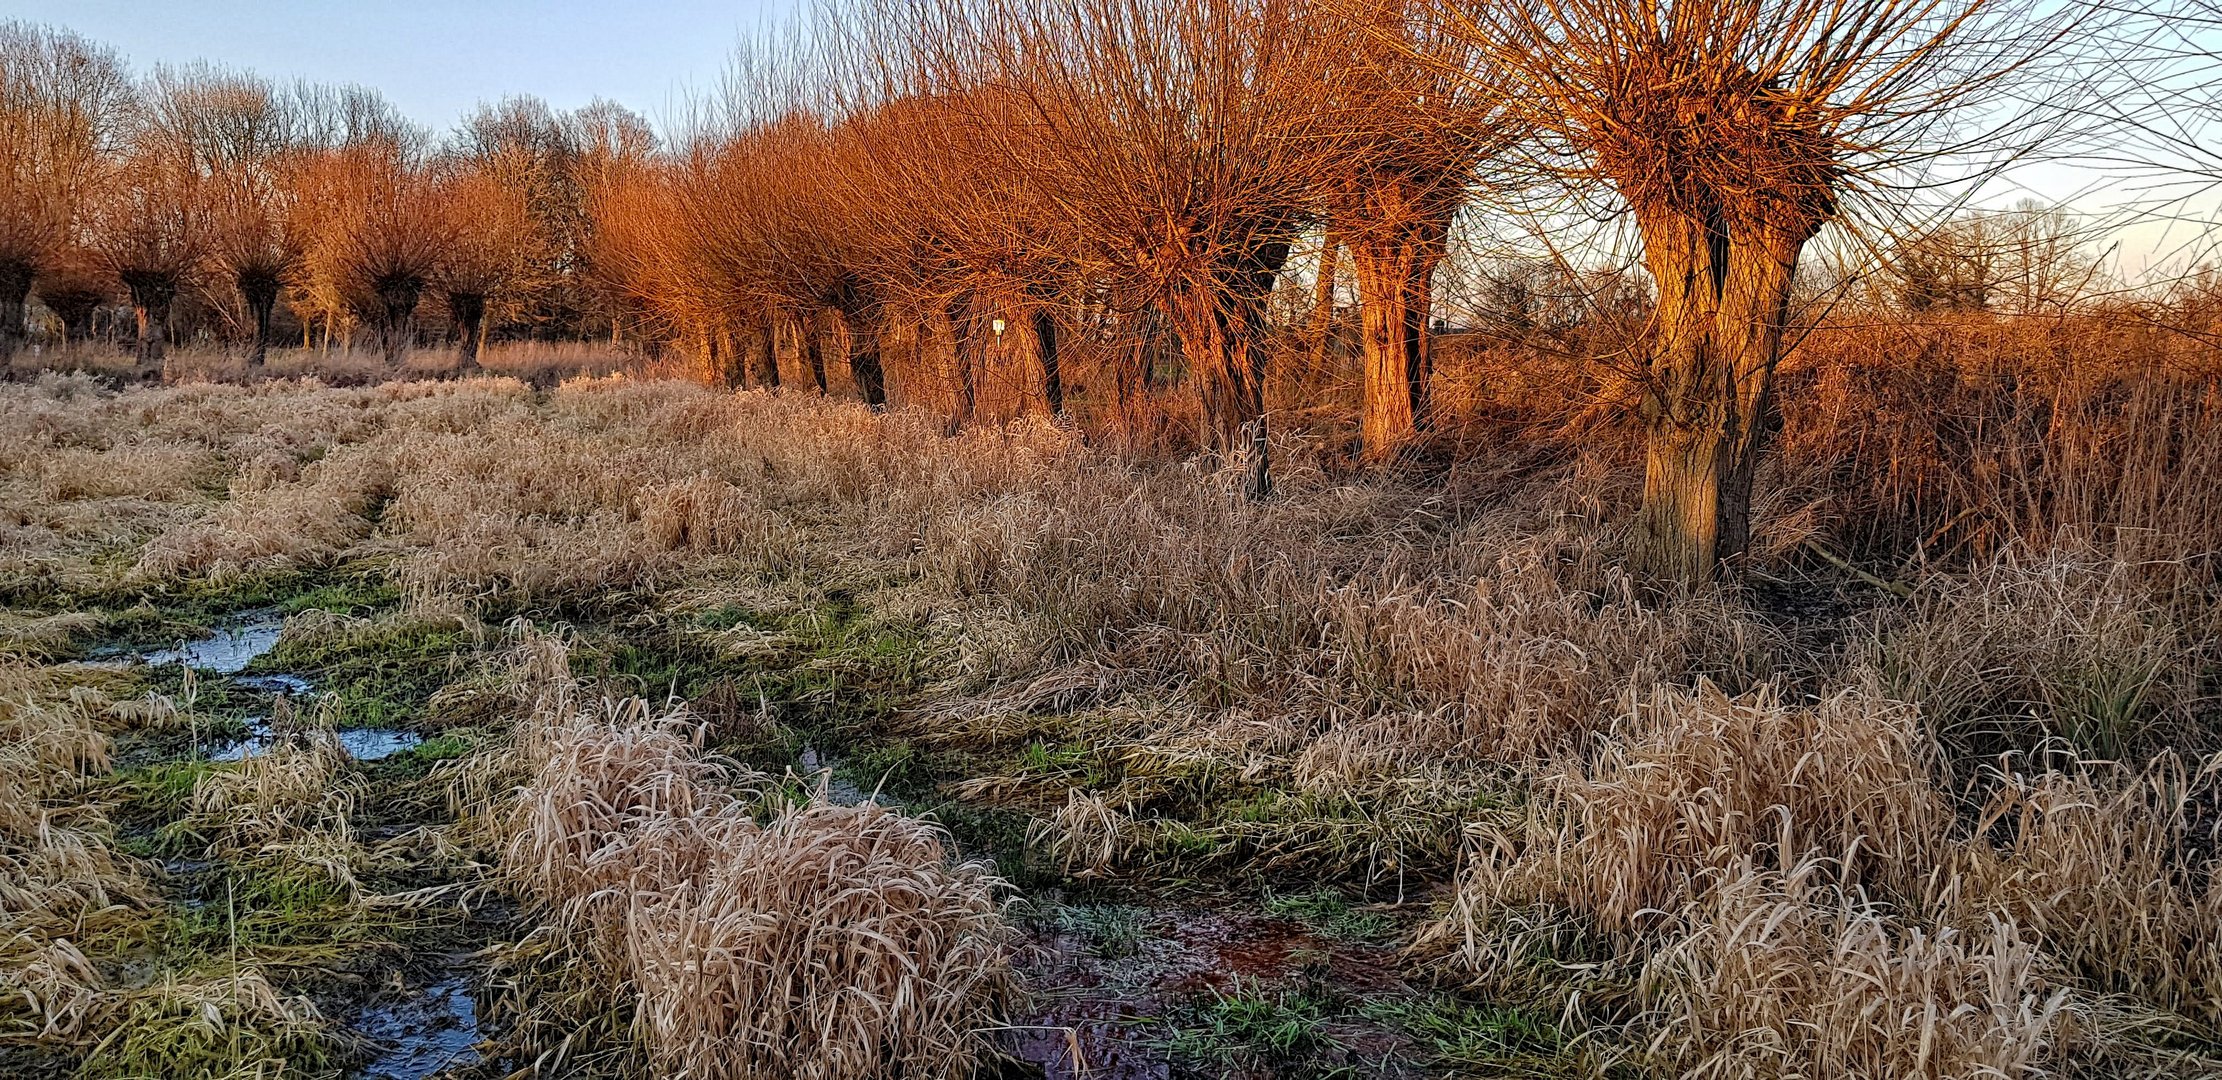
(15, 295)
(1723, 301)
(151, 294)
(963, 366)
(1222, 332)
(863, 345)
(1323, 306)
(813, 349)
(767, 372)
(1045, 340)
(259, 291)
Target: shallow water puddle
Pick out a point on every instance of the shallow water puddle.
(816, 768)
(362, 744)
(228, 652)
(230, 649)
(417, 1037)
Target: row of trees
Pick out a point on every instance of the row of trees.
(239, 192)
(985, 183)
(959, 163)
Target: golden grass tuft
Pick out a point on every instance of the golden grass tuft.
(1692, 784)
(836, 942)
(1777, 973)
(2116, 870)
(829, 942)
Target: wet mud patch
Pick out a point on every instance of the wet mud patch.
(419, 1035)
(1128, 992)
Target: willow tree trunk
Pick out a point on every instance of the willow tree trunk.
(397, 312)
(863, 344)
(1053, 378)
(151, 294)
(15, 296)
(1724, 298)
(1215, 330)
(1222, 334)
(727, 366)
(813, 350)
(767, 355)
(1395, 267)
(75, 309)
(259, 291)
(468, 311)
(964, 376)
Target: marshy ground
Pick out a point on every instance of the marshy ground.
(464, 729)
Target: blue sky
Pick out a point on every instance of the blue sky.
(434, 58)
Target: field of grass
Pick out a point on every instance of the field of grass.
(629, 728)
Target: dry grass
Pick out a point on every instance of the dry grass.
(835, 942)
(829, 942)
(1774, 973)
(1749, 833)
(1693, 784)
(2065, 647)
(297, 786)
(2115, 870)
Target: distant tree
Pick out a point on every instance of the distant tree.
(2025, 260)
(1946, 268)
(73, 286)
(491, 244)
(150, 228)
(62, 102)
(244, 138)
(377, 238)
(521, 145)
(1170, 140)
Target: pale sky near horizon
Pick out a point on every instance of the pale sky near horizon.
(435, 60)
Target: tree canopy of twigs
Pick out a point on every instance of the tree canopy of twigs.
(1733, 131)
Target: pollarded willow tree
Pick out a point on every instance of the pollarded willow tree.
(241, 136)
(149, 227)
(491, 245)
(1171, 140)
(378, 237)
(1733, 131)
(1410, 122)
(62, 102)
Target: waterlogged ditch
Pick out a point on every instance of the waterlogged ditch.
(392, 941)
(420, 1018)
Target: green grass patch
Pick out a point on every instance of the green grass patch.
(213, 1029)
(160, 791)
(1466, 1036)
(1109, 931)
(1250, 1026)
(384, 670)
(1326, 913)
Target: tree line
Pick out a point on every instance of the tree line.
(985, 186)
